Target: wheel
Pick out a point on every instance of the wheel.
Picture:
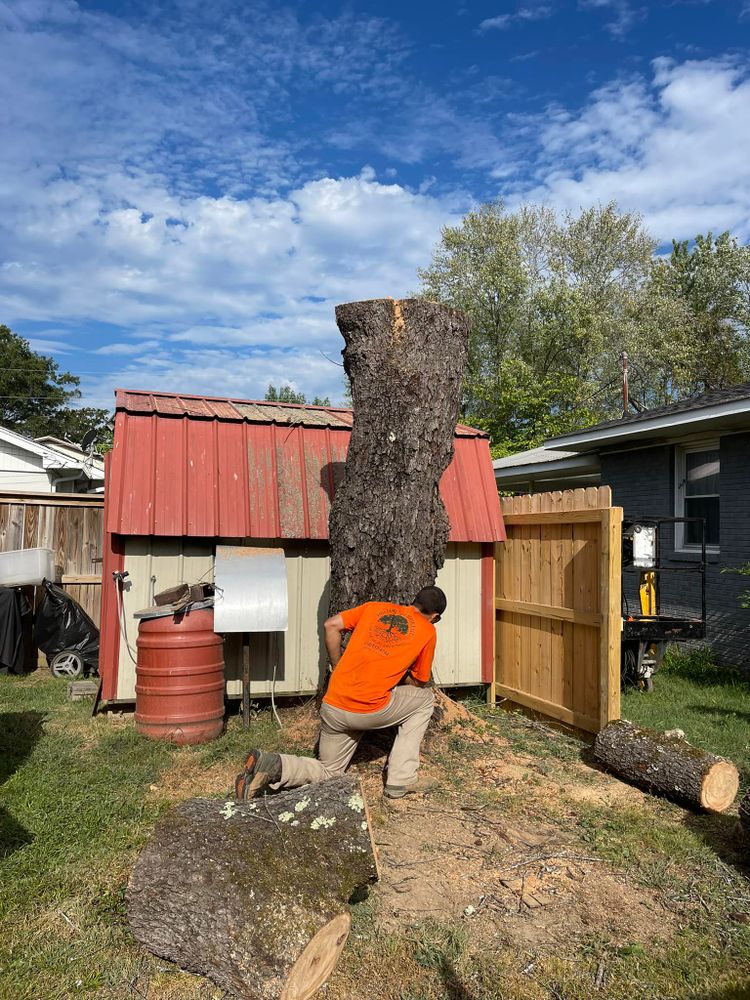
(648, 684)
(67, 663)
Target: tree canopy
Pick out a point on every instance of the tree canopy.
(285, 394)
(554, 302)
(36, 396)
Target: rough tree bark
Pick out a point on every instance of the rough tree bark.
(388, 526)
(662, 762)
(254, 894)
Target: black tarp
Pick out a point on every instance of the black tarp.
(61, 623)
(13, 605)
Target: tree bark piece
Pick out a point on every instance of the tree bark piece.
(666, 763)
(388, 526)
(254, 895)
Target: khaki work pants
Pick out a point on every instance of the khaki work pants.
(410, 708)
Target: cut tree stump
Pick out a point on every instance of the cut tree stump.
(388, 526)
(662, 762)
(254, 895)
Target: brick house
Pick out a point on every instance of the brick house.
(690, 459)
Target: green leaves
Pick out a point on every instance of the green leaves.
(35, 396)
(554, 303)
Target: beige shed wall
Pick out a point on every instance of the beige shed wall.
(298, 655)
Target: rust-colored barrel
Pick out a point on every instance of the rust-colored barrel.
(179, 687)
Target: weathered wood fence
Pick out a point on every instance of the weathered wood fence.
(68, 523)
(558, 612)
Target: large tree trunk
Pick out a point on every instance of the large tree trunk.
(254, 894)
(666, 763)
(388, 526)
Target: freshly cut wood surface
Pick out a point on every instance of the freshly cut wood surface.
(254, 895)
(667, 763)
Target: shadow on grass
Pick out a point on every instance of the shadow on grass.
(729, 713)
(454, 988)
(721, 834)
(19, 732)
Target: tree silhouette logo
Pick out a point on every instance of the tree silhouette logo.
(397, 622)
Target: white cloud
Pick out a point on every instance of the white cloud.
(625, 14)
(503, 21)
(675, 148)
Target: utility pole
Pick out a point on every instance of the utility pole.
(625, 392)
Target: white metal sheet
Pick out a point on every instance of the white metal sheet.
(251, 589)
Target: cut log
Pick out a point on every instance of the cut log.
(665, 763)
(388, 526)
(254, 895)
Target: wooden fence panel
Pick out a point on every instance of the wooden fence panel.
(558, 617)
(69, 524)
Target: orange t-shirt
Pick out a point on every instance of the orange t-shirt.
(387, 640)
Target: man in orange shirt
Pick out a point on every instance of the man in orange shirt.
(380, 680)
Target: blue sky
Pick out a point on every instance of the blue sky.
(188, 189)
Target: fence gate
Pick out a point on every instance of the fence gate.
(558, 614)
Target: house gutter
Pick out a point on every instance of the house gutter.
(667, 422)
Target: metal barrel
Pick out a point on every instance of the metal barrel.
(179, 689)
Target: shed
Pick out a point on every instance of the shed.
(189, 472)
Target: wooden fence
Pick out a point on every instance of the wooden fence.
(68, 523)
(558, 614)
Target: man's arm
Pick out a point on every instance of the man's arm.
(332, 629)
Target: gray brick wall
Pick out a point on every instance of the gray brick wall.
(643, 485)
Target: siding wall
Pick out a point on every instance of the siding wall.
(642, 483)
(22, 470)
(298, 655)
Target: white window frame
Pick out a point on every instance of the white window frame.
(680, 477)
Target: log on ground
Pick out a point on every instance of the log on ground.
(667, 764)
(254, 895)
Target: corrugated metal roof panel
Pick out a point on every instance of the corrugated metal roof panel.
(180, 467)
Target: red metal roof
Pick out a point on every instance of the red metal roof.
(221, 468)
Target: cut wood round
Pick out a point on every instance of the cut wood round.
(254, 895)
(388, 526)
(666, 763)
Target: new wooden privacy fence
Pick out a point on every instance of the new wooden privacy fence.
(68, 523)
(558, 615)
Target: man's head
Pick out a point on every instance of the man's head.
(431, 601)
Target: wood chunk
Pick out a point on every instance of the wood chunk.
(667, 764)
(254, 894)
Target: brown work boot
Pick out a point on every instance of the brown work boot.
(261, 770)
(419, 786)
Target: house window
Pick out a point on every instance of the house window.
(698, 494)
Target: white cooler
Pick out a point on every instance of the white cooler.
(26, 567)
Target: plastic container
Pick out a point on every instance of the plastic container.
(179, 678)
(26, 567)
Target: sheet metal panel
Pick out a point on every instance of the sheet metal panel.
(251, 590)
(209, 477)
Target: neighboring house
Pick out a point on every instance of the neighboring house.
(188, 472)
(690, 459)
(46, 465)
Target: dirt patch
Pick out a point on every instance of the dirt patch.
(186, 779)
(448, 857)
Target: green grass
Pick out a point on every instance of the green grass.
(710, 704)
(76, 805)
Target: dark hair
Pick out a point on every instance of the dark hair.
(431, 601)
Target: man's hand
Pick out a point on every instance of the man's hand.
(412, 681)
(332, 629)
